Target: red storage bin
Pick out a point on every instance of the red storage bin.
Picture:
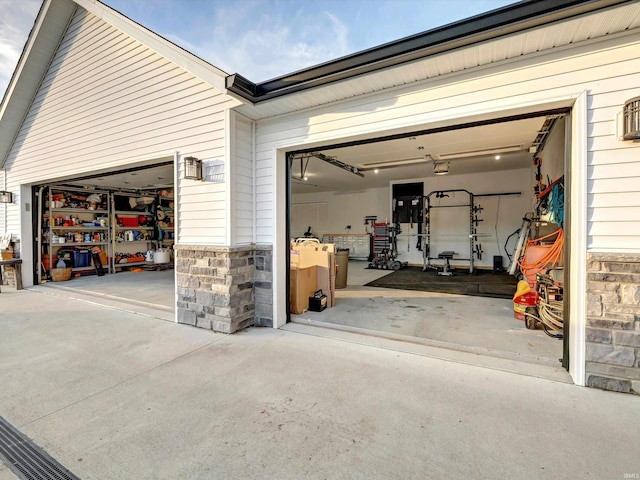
(128, 221)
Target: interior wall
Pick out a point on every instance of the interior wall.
(450, 226)
(343, 209)
(552, 154)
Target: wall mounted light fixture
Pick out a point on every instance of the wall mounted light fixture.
(192, 168)
(6, 197)
(631, 119)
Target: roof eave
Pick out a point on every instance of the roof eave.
(16, 103)
(497, 23)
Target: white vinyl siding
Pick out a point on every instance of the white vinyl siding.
(242, 187)
(108, 102)
(607, 70)
(4, 208)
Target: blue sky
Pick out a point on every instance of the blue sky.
(260, 39)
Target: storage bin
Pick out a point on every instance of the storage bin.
(128, 221)
(162, 256)
(81, 258)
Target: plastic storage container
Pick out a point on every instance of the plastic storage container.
(521, 303)
(81, 258)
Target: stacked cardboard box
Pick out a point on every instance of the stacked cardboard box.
(322, 256)
(302, 286)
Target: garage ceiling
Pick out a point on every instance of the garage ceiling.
(469, 150)
(157, 176)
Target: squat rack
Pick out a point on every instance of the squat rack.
(473, 223)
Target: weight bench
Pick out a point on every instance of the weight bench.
(446, 256)
(17, 264)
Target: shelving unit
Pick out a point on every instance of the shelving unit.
(72, 223)
(133, 232)
(165, 221)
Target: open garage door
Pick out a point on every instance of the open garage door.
(441, 225)
(110, 233)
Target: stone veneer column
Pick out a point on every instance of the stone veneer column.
(264, 285)
(613, 322)
(215, 286)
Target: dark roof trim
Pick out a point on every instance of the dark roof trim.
(496, 23)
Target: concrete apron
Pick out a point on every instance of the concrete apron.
(113, 395)
(450, 327)
(147, 293)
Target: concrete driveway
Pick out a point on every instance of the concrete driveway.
(113, 394)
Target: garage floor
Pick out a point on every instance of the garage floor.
(146, 288)
(474, 324)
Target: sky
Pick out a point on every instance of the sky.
(260, 39)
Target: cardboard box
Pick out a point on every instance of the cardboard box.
(322, 256)
(302, 286)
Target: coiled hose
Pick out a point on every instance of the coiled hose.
(549, 259)
(550, 312)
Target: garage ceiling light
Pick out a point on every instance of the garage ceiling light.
(440, 168)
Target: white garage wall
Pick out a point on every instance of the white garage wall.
(108, 101)
(343, 209)
(501, 214)
(607, 70)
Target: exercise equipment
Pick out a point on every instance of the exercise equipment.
(474, 220)
(446, 268)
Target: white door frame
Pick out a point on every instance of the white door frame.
(578, 226)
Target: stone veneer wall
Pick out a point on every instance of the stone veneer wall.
(224, 289)
(264, 285)
(613, 322)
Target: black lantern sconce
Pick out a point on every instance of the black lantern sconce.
(6, 197)
(192, 168)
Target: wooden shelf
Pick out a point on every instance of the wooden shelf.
(131, 264)
(78, 269)
(131, 212)
(134, 228)
(136, 241)
(81, 210)
(78, 228)
(74, 244)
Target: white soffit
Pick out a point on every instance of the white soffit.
(567, 32)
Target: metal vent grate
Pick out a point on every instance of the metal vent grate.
(631, 119)
(26, 459)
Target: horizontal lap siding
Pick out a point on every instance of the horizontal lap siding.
(3, 208)
(108, 101)
(607, 70)
(243, 180)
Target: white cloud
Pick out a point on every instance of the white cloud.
(16, 20)
(274, 42)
